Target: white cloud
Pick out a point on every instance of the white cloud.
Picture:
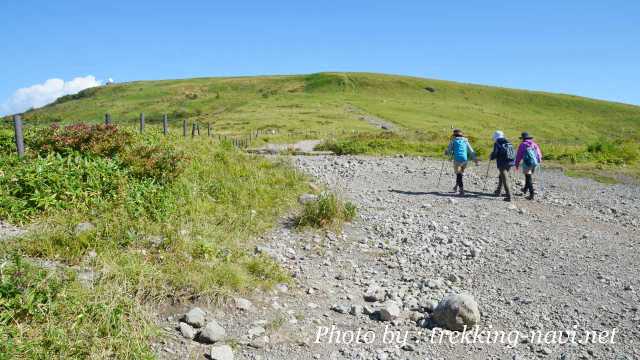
(42, 94)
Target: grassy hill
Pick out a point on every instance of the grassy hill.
(578, 132)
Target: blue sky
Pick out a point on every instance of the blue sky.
(589, 48)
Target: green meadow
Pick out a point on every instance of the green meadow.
(585, 136)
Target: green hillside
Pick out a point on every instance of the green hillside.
(573, 130)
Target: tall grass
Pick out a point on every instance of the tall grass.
(326, 211)
(156, 238)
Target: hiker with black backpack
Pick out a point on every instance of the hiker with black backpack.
(530, 156)
(505, 157)
(460, 150)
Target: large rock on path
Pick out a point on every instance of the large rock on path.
(195, 317)
(455, 311)
(221, 352)
(212, 333)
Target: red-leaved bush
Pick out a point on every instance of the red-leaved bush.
(100, 140)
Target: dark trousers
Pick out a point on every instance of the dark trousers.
(528, 183)
(503, 181)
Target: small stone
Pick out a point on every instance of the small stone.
(390, 311)
(341, 309)
(187, 331)
(156, 240)
(408, 347)
(307, 198)
(83, 228)
(546, 351)
(368, 310)
(244, 304)
(256, 331)
(356, 310)
(259, 342)
(221, 352)
(195, 317)
(212, 333)
(374, 294)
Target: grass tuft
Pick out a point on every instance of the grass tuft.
(327, 211)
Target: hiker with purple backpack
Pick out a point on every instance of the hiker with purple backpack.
(530, 156)
(505, 157)
(460, 150)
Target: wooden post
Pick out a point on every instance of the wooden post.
(198, 128)
(209, 129)
(141, 123)
(184, 127)
(107, 119)
(165, 124)
(19, 137)
(193, 129)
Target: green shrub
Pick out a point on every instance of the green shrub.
(327, 210)
(29, 187)
(161, 163)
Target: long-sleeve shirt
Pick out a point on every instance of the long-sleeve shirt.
(523, 148)
(500, 163)
(470, 153)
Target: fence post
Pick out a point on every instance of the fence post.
(141, 123)
(165, 124)
(193, 129)
(209, 129)
(198, 128)
(184, 127)
(19, 137)
(107, 119)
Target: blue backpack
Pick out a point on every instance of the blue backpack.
(530, 157)
(460, 149)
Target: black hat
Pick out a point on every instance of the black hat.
(525, 136)
(457, 132)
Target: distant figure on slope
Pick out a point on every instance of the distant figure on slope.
(530, 155)
(459, 150)
(505, 157)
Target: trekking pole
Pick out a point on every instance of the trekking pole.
(442, 167)
(486, 177)
(441, 170)
(541, 180)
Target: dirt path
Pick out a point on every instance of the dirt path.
(371, 119)
(568, 261)
(303, 146)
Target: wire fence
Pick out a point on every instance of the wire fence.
(189, 129)
(193, 129)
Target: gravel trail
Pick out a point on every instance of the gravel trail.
(567, 261)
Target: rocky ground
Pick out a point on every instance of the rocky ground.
(8, 230)
(566, 262)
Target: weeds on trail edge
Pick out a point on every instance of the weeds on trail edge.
(326, 211)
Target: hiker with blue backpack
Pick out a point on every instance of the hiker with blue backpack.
(505, 157)
(460, 150)
(530, 156)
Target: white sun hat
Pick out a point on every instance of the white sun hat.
(498, 135)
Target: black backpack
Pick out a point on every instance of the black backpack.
(506, 152)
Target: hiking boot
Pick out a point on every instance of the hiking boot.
(461, 192)
(497, 192)
(530, 197)
(507, 199)
(455, 188)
